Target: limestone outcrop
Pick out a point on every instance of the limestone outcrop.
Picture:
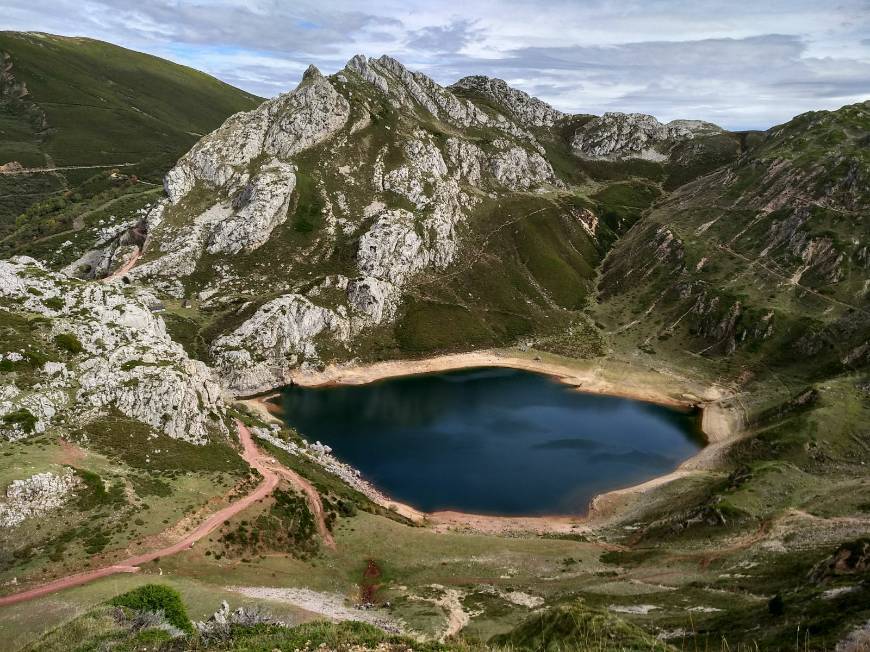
(243, 178)
(281, 334)
(527, 110)
(280, 128)
(122, 358)
(615, 136)
(403, 207)
(414, 89)
(35, 496)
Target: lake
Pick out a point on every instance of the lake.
(493, 441)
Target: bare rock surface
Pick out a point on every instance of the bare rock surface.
(37, 495)
(127, 360)
(527, 110)
(634, 135)
(281, 334)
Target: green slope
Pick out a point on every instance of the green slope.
(80, 102)
(105, 104)
(757, 275)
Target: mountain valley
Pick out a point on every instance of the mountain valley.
(373, 223)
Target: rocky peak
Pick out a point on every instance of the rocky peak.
(408, 89)
(280, 127)
(311, 72)
(617, 135)
(360, 65)
(393, 185)
(528, 110)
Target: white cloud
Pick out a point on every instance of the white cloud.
(740, 63)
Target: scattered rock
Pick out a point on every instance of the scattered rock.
(36, 496)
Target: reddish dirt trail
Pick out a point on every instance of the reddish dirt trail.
(314, 502)
(126, 267)
(250, 454)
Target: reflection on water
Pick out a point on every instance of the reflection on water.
(493, 440)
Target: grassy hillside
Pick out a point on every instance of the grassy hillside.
(104, 104)
(79, 102)
(763, 262)
(756, 275)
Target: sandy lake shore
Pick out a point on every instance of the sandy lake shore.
(721, 425)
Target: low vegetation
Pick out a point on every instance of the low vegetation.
(157, 598)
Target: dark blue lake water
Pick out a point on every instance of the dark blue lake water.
(493, 441)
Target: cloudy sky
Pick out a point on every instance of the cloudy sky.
(742, 64)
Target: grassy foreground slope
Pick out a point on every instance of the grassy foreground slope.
(154, 617)
(80, 102)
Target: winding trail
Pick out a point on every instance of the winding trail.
(251, 454)
(314, 502)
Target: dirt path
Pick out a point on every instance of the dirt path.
(457, 617)
(450, 601)
(314, 502)
(16, 171)
(126, 267)
(250, 454)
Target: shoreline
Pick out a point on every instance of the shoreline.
(585, 380)
(720, 426)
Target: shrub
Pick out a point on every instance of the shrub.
(776, 606)
(157, 597)
(36, 358)
(21, 417)
(129, 365)
(575, 626)
(94, 493)
(68, 342)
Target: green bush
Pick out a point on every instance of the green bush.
(157, 597)
(68, 342)
(21, 417)
(55, 303)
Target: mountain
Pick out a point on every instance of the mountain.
(92, 106)
(377, 205)
(373, 215)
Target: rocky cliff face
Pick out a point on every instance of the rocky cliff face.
(615, 136)
(413, 89)
(111, 352)
(526, 110)
(349, 157)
